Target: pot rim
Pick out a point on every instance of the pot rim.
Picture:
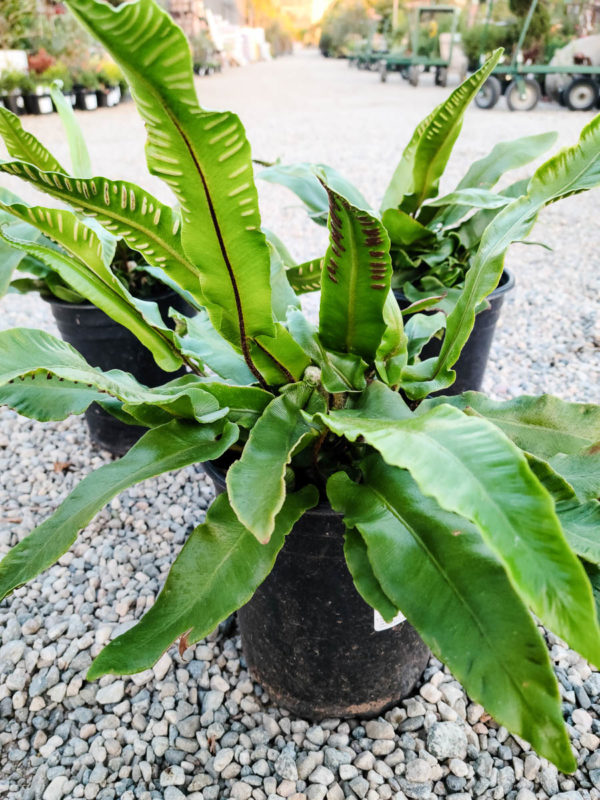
(55, 301)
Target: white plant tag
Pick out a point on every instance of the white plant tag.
(45, 105)
(379, 624)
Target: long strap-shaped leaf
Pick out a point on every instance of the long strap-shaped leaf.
(81, 164)
(41, 395)
(126, 210)
(86, 272)
(504, 156)
(355, 280)
(163, 449)
(203, 156)
(472, 469)
(278, 432)
(417, 176)
(434, 566)
(571, 171)
(35, 366)
(23, 145)
(543, 425)
(218, 570)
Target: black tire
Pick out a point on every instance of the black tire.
(441, 76)
(413, 75)
(383, 71)
(488, 95)
(523, 94)
(581, 94)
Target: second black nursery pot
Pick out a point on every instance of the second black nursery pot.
(106, 344)
(470, 367)
(311, 640)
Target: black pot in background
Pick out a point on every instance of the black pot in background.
(309, 638)
(102, 98)
(106, 344)
(14, 103)
(39, 104)
(85, 99)
(470, 367)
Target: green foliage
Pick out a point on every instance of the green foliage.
(218, 570)
(344, 21)
(15, 21)
(410, 543)
(490, 37)
(490, 504)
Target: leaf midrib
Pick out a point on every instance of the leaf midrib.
(352, 283)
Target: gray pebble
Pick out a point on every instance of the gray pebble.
(379, 729)
(447, 740)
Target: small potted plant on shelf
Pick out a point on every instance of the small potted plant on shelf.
(10, 91)
(434, 239)
(59, 71)
(110, 78)
(85, 319)
(85, 85)
(344, 489)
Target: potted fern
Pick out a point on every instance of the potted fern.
(433, 238)
(321, 437)
(10, 90)
(84, 319)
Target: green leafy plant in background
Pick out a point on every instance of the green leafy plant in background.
(479, 505)
(434, 239)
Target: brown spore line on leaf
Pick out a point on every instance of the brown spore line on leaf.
(184, 643)
(332, 268)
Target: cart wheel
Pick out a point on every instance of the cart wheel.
(413, 75)
(581, 94)
(383, 72)
(523, 97)
(488, 95)
(441, 76)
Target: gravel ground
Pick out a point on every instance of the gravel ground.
(196, 726)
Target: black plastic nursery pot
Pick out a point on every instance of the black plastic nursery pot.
(310, 639)
(14, 103)
(39, 104)
(106, 344)
(102, 98)
(85, 99)
(470, 367)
